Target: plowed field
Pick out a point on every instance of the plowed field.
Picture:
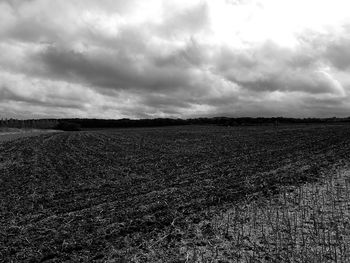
(109, 195)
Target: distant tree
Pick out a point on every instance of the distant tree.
(68, 126)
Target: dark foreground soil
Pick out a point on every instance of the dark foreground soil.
(99, 196)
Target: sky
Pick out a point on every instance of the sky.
(174, 58)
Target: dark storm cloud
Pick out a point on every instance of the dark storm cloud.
(6, 94)
(160, 58)
(111, 69)
(314, 82)
(272, 68)
(192, 55)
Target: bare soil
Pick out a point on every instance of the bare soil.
(138, 195)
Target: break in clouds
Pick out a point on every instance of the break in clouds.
(145, 59)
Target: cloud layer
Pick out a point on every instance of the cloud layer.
(144, 59)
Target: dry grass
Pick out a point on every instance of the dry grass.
(309, 223)
(10, 134)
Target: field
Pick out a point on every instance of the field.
(177, 194)
(12, 134)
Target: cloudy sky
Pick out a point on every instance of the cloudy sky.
(174, 58)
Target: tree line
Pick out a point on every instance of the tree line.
(77, 124)
(29, 124)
